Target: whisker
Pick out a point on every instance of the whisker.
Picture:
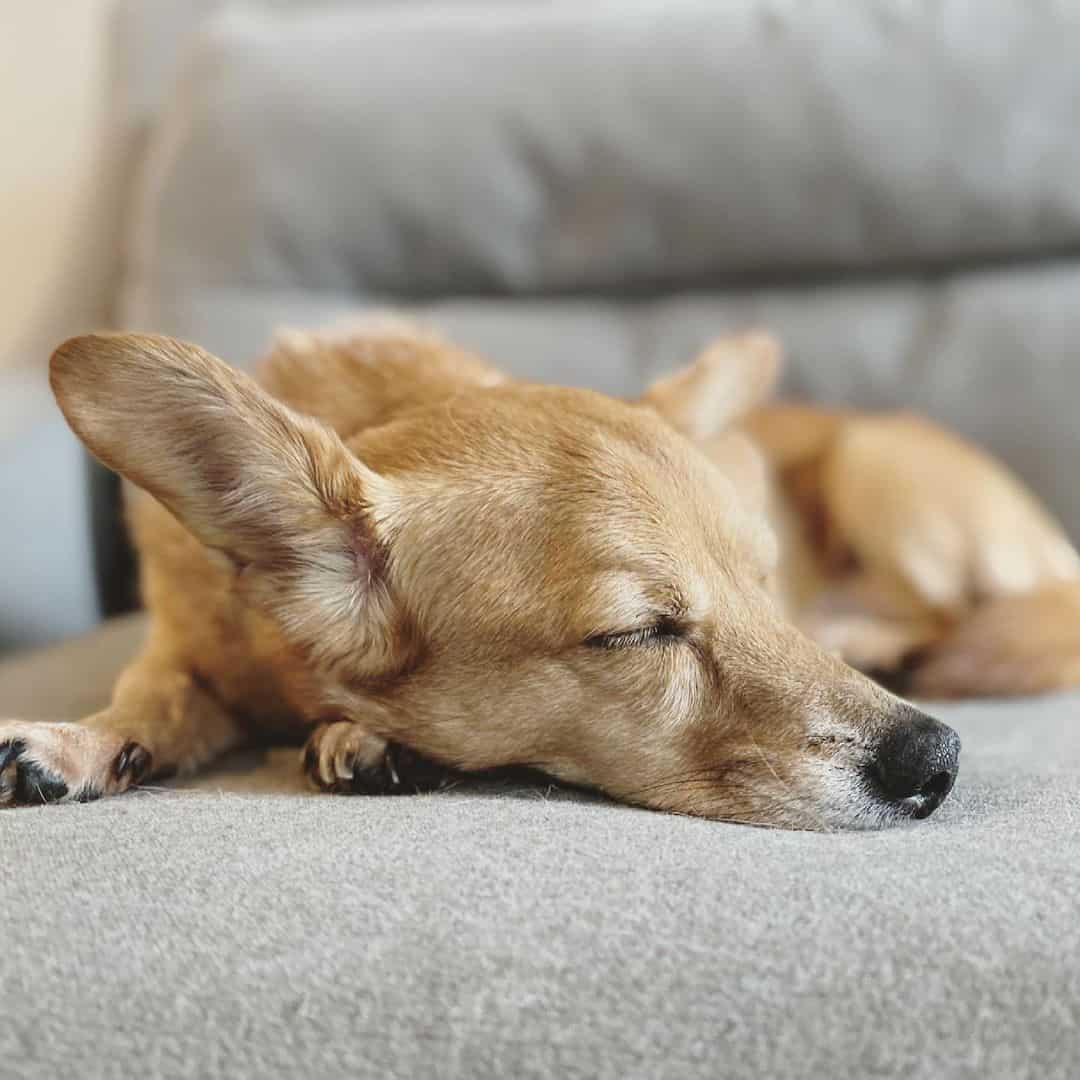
(718, 778)
(700, 776)
(787, 783)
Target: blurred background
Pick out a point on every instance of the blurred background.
(584, 191)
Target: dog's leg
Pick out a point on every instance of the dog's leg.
(873, 624)
(870, 643)
(162, 720)
(1023, 644)
(345, 758)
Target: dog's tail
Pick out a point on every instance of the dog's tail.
(1028, 643)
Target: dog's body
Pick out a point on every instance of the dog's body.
(917, 557)
(425, 558)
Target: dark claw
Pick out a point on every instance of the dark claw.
(400, 771)
(134, 758)
(368, 780)
(410, 773)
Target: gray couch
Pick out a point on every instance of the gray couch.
(585, 192)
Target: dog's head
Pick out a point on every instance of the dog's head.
(524, 575)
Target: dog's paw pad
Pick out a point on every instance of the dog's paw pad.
(25, 782)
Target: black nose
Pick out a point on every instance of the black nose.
(916, 762)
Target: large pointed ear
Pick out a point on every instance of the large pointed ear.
(728, 378)
(277, 492)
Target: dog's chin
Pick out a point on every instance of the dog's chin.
(839, 800)
(869, 815)
(861, 808)
(832, 800)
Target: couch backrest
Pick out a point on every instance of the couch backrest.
(589, 191)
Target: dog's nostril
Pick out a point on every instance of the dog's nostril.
(917, 761)
(938, 784)
(932, 794)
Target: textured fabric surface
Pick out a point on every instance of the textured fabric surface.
(538, 147)
(243, 927)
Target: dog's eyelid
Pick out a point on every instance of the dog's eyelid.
(660, 628)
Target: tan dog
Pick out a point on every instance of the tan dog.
(392, 551)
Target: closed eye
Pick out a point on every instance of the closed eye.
(663, 631)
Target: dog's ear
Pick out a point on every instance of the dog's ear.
(275, 491)
(730, 377)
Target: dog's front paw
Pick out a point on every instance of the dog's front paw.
(43, 762)
(346, 758)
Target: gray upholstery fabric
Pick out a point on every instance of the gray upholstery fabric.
(242, 927)
(491, 147)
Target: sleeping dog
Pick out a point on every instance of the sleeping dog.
(386, 548)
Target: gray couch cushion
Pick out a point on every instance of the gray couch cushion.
(243, 927)
(538, 147)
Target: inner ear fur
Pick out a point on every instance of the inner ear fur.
(277, 492)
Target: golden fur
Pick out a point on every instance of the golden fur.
(386, 547)
(920, 555)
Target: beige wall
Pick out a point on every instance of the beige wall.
(52, 108)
